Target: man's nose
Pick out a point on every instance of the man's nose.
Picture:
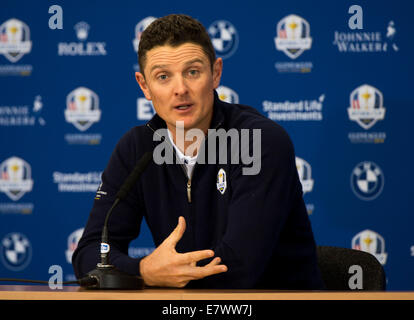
(180, 86)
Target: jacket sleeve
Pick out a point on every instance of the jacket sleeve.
(124, 223)
(259, 208)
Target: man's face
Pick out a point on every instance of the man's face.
(180, 83)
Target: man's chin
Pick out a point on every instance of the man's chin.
(184, 123)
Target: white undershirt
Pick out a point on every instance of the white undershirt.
(188, 161)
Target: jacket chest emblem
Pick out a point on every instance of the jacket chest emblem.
(221, 181)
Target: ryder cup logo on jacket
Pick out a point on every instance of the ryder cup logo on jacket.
(14, 39)
(371, 242)
(224, 37)
(15, 251)
(15, 178)
(221, 181)
(293, 36)
(82, 108)
(366, 106)
(305, 174)
(139, 29)
(367, 180)
(227, 95)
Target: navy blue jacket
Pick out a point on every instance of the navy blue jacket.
(259, 226)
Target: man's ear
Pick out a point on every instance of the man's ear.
(143, 84)
(217, 71)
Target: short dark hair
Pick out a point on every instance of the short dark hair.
(174, 30)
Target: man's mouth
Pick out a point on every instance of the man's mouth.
(183, 107)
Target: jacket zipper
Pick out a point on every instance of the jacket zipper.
(189, 190)
(189, 179)
(163, 139)
(182, 165)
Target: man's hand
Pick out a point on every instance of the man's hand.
(165, 267)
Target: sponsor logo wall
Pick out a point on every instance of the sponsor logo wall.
(337, 76)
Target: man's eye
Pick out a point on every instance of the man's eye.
(193, 72)
(162, 77)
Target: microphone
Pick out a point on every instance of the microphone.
(106, 276)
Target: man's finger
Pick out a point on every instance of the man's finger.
(194, 256)
(208, 270)
(214, 262)
(177, 233)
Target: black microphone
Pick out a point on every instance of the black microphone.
(106, 276)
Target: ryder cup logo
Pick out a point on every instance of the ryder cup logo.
(305, 174)
(227, 95)
(14, 39)
(371, 242)
(221, 181)
(15, 251)
(367, 180)
(366, 106)
(16, 178)
(293, 36)
(139, 29)
(73, 241)
(224, 37)
(82, 108)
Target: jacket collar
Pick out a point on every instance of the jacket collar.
(216, 121)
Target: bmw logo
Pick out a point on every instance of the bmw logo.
(15, 251)
(224, 37)
(367, 180)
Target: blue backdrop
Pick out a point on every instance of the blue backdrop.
(336, 74)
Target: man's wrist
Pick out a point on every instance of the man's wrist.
(142, 271)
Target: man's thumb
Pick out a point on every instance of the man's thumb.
(178, 232)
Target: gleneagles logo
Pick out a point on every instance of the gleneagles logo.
(82, 47)
(82, 108)
(14, 39)
(15, 178)
(293, 36)
(366, 106)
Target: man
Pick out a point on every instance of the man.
(214, 226)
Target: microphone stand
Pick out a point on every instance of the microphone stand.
(106, 275)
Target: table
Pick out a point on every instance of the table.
(39, 292)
